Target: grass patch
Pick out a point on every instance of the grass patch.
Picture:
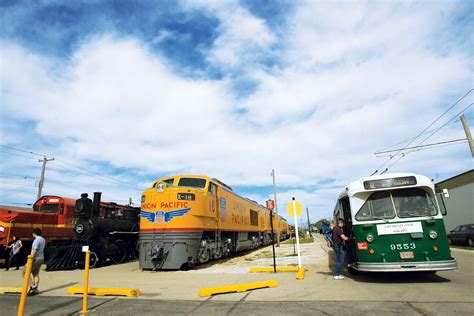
(302, 241)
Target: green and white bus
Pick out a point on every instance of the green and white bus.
(395, 224)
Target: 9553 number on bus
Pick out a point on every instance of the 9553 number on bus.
(403, 246)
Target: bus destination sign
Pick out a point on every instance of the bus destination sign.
(389, 183)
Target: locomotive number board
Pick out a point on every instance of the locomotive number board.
(186, 196)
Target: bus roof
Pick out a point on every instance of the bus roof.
(358, 185)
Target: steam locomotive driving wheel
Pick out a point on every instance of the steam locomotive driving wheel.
(120, 251)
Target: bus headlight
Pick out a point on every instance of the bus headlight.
(370, 238)
(433, 234)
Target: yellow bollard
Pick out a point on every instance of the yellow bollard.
(86, 283)
(26, 282)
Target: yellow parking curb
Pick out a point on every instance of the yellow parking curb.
(237, 288)
(10, 289)
(278, 269)
(105, 291)
(300, 274)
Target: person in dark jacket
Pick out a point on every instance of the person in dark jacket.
(326, 230)
(338, 239)
(15, 247)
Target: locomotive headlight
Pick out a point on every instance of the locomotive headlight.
(433, 234)
(370, 238)
(2, 229)
(160, 187)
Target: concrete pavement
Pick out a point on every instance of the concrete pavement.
(390, 293)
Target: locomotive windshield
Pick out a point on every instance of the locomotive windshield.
(47, 208)
(413, 202)
(192, 182)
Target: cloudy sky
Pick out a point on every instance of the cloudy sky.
(124, 92)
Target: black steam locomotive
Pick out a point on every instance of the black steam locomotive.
(110, 230)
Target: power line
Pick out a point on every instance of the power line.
(406, 140)
(102, 176)
(77, 168)
(428, 145)
(93, 175)
(18, 155)
(422, 132)
(24, 151)
(435, 131)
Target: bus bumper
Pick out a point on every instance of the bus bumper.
(407, 266)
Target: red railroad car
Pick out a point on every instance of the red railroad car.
(53, 214)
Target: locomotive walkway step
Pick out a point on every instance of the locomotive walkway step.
(237, 288)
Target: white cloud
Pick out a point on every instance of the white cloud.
(242, 37)
(353, 79)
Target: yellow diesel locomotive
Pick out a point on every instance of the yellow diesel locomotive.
(187, 219)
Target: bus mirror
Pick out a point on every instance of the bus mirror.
(442, 206)
(446, 193)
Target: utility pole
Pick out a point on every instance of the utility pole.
(276, 207)
(309, 225)
(41, 181)
(468, 134)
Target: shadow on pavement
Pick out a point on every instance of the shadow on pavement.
(398, 277)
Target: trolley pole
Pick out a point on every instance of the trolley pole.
(468, 134)
(41, 181)
(24, 289)
(276, 206)
(86, 283)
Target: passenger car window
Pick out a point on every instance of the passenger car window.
(463, 229)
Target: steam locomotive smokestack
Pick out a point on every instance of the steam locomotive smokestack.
(96, 203)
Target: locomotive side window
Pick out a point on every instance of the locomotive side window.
(213, 188)
(192, 182)
(253, 218)
(169, 182)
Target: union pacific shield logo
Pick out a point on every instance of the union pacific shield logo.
(160, 217)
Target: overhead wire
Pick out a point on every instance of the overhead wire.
(421, 133)
(429, 136)
(24, 151)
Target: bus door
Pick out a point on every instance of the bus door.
(350, 244)
(346, 215)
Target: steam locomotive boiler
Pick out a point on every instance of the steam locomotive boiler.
(110, 230)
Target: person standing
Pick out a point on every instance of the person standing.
(37, 251)
(338, 239)
(15, 247)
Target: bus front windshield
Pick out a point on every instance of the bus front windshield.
(412, 202)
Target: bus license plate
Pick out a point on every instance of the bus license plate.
(407, 255)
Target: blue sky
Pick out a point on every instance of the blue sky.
(124, 92)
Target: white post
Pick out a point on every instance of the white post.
(297, 235)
